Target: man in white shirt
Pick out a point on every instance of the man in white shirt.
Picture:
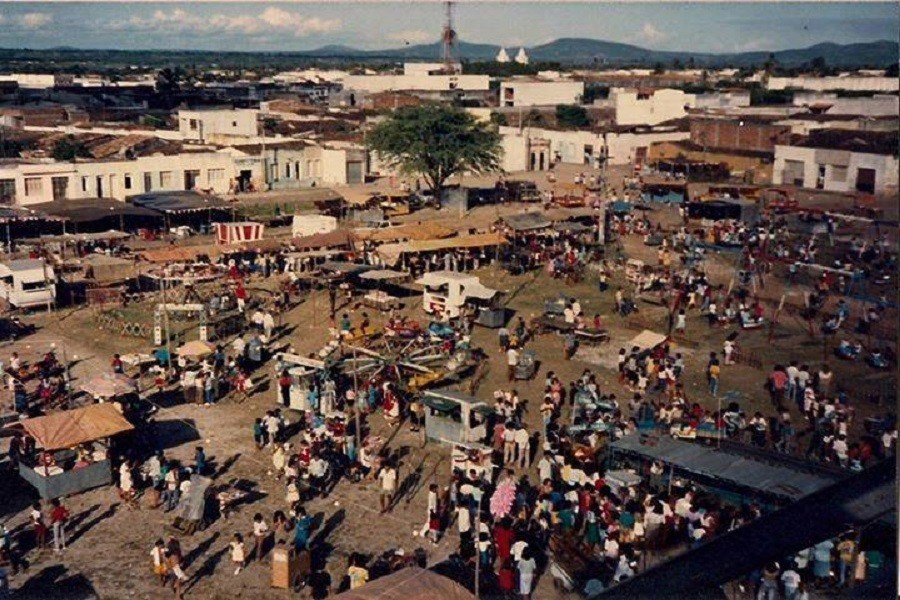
(523, 447)
(791, 580)
(388, 479)
(545, 467)
(509, 444)
(512, 359)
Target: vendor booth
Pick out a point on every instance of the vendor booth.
(303, 372)
(238, 233)
(73, 450)
(452, 416)
(446, 292)
(647, 340)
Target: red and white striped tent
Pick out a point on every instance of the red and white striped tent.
(237, 233)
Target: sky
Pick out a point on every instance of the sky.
(284, 26)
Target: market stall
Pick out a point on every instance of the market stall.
(452, 416)
(446, 292)
(73, 453)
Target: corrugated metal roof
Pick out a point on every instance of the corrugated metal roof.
(755, 474)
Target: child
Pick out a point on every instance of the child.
(40, 528)
(237, 552)
(258, 435)
(158, 554)
(260, 533)
(434, 526)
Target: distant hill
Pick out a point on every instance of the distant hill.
(568, 51)
(588, 51)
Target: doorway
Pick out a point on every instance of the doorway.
(865, 181)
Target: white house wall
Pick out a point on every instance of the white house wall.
(886, 168)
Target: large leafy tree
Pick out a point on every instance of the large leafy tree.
(436, 142)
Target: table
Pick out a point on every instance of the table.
(381, 301)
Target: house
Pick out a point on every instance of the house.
(759, 134)
(535, 149)
(27, 282)
(430, 77)
(649, 107)
(210, 125)
(840, 161)
(534, 92)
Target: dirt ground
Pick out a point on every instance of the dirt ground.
(110, 544)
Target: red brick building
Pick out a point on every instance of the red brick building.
(738, 133)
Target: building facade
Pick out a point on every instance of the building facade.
(651, 107)
(212, 125)
(540, 93)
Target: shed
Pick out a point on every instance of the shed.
(240, 232)
(56, 434)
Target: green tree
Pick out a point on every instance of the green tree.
(436, 142)
(892, 70)
(570, 115)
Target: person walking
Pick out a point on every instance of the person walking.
(158, 555)
(388, 479)
(59, 516)
(238, 554)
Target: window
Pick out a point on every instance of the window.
(127, 181)
(190, 178)
(216, 175)
(234, 123)
(287, 170)
(60, 188)
(33, 286)
(84, 184)
(165, 179)
(7, 191)
(33, 186)
(192, 124)
(838, 173)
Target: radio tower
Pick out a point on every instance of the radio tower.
(448, 41)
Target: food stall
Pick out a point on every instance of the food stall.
(67, 461)
(379, 298)
(446, 292)
(452, 416)
(303, 372)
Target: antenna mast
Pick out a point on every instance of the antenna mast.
(448, 41)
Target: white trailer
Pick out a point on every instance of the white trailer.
(27, 282)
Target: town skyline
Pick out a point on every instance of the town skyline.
(272, 26)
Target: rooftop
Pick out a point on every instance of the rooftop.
(867, 142)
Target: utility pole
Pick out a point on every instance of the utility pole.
(166, 319)
(356, 408)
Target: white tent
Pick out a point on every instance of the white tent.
(647, 340)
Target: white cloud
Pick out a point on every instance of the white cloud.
(412, 36)
(270, 19)
(35, 20)
(651, 34)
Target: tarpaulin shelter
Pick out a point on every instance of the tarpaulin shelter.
(647, 340)
(412, 582)
(181, 253)
(330, 239)
(177, 202)
(72, 238)
(732, 468)
(87, 210)
(409, 231)
(390, 253)
(69, 428)
(109, 385)
(527, 222)
(383, 275)
(107, 269)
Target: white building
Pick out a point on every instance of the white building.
(540, 93)
(840, 161)
(534, 149)
(418, 82)
(38, 81)
(877, 105)
(502, 56)
(841, 82)
(636, 107)
(720, 100)
(418, 68)
(521, 57)
(217, 124)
